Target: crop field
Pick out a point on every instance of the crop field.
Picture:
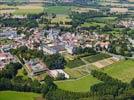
(97, 57)
(105, 62)
(123, 70)
(61, 18)
(28, 9)
(12, 95)
(58, 9)
(90, 24)
(75, 63)
(105, 18)
(21, 10)
(82, 10)
(80, 85)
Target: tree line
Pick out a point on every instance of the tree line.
(10, 81)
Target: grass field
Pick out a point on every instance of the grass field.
(123, 70)
(21, 73)
(97, 57)
(73, 73)
(80, 85)
(78, 72)
(12, 95)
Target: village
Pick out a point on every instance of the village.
(51, 42)
(66, 49)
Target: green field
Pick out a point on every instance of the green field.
(77, 72)
(12, 95)
(92, 24)
(61, 18)
(97, 57)
(75, 63)
(58, 9)
(123, 70)
(80, 85)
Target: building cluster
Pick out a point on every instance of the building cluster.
(8, 32)
(50, 42)
(6, 58)
(127, 23)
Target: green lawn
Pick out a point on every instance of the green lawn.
(97, 57)
(58, 9)
(81, 85)
(123, 70)
(12, 95)
(75, 63)
(21, 73)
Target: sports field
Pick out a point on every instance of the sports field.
(123, 70)
(12, 95)
(80, 85)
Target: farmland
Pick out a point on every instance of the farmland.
(61, 19)
(21, 10)
(75, 63)
(12, 95)
(79, 85)
(58, 9)
(97, 57)
(123, 70)
(92, 24)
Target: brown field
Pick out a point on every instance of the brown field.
(105, 62)
(119, 10)
(81, 10)
(20, 10)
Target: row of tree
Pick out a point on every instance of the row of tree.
(10, 81)
(108, 86)
(15, 22)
